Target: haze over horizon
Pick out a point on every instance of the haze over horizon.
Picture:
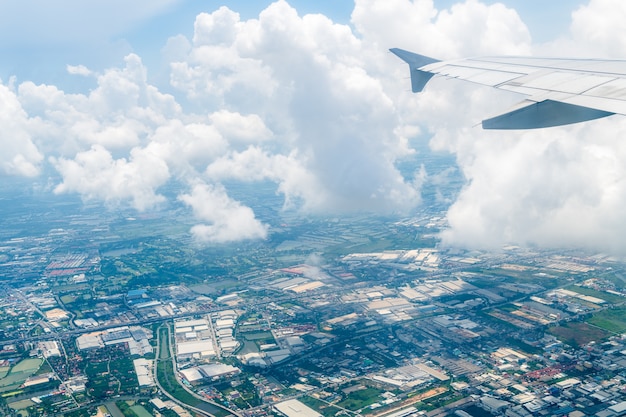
(121, 105)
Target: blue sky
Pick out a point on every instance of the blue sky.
(37, 42)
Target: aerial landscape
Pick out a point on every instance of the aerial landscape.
(232, 209)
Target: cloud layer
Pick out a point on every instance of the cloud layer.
(323, 110)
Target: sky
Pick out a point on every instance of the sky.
(113, 101)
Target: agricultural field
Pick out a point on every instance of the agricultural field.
(324, 408)
(140, 411)
(612, 320)
(578, 334)
(357, 400)
(18, 374)
(611, 298)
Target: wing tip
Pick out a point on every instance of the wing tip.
(412, 58)
(419, 78)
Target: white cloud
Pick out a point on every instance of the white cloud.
(305, 78)
(300, 186)
(119, 114)
(95, 174)
(217, 28)
(595, 31)
(19, 154)
(78, 70)
(240, 128)
(323, 111)
(187, 148)
(558, 187)
(598, 28)
(466, 29)
(226, 219)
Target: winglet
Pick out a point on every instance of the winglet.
(419, 78)
(548, 113)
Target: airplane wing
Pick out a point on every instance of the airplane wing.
(560, 91)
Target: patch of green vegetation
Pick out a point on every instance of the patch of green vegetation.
(520, 277)
(140, 411)
(68, 299)
(325, 409)
(97, 369)
(476, 411)
(110, 372)
(615, 280)
(360, 399)
(18, 374)
(493, 320)
(22, 404)
(247, 392)
(578, 334)
(457, 298)
(524, 347)
(126, 409)
(80, 413)
(509, 308)
(259, 336)
(439, 401)
(167, 379)
(612, 319)
(215, 287)
(611, 298)
(27, 366)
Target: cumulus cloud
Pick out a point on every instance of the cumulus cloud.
(19, 155)
(300, 186)
(324, 111)
(226, 219)
(597, 28)
(558, 187)
(305, 77)
(239, 128)
(95, 174)
(595, 31)
(78, 70)
(465, 29)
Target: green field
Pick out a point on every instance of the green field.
(19, 373)
(68, 299)
(259, 336)
(578, 334)
(360, 399)
(327, 410)
(140, 411)
(20, 405)
(612, 320)
(27, 365)
(611, 298)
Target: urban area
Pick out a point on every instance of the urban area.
(113, 313)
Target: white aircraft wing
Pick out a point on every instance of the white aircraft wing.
(560, 91)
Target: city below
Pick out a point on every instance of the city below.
(123, 314)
